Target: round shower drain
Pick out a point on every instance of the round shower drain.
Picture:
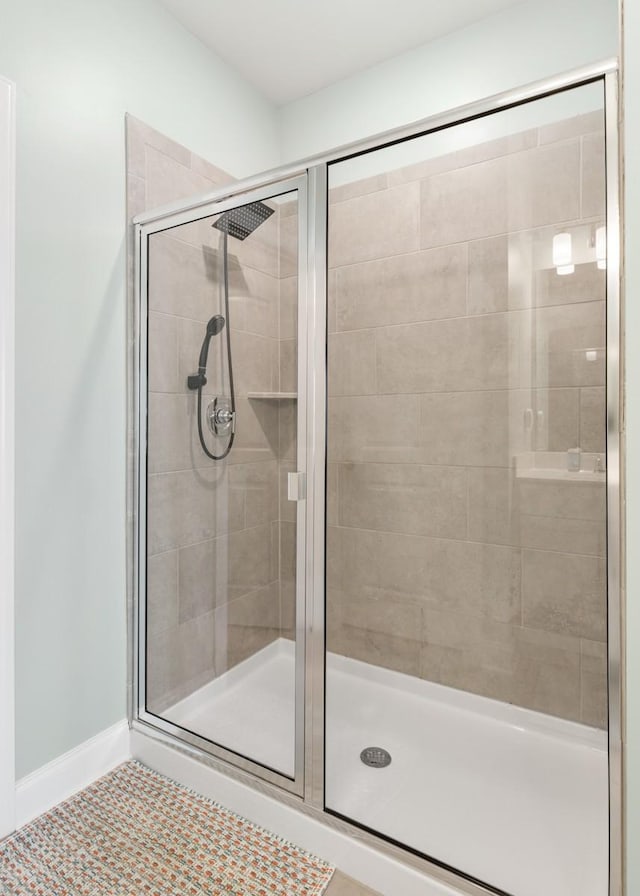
(376, 757)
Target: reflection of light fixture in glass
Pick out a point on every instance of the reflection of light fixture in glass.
(601, 248)
(562, 255)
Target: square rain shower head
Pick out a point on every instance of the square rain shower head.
(242, 221)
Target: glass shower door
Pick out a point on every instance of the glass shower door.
(222, 661)
(466, 604)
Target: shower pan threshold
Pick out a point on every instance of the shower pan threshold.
(521, 796)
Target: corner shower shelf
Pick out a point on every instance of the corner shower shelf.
(549, 465)
(273, 396)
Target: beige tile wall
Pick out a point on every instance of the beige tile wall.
(219, 534)
(445, 327)
(441, 562)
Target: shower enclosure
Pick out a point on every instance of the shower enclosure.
(377, 548)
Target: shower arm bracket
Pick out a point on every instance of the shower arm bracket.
(196, 381)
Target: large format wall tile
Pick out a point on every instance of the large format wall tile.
(421, 286)
(255, 362)
(468, 428)
(464, 204)
(488, 275)
(393, 497)
(381, 428)
(426, 168)
(352, 363)
(253, 300)
(564, 593)
(382, 629)
(252, 559)
(374, 226)
(168, 180)
(586, 284)
(179, 661)
(139, 136)
(447, 355)
(180, 279)
(543, 186)
(196, 650)
(576, 500)
(288, 247)
(180, 509)
(504, 662)
(248, 624)
(483, 580)
(288, 366)
(358, 188)
(480, 352)
(202, 578)
(571, 536)
(162, 592)
(558, 412)
(588, 123)
(257, 484)
(287, 419)
(170, 427)
(494, 149)
(441, 562)
(504, 509)
(570, 344)
(289, 308)
(163, 353)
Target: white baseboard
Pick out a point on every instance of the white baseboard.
(64, 776)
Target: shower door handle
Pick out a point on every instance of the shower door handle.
(296, 486)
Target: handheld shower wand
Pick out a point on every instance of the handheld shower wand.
(199, 379)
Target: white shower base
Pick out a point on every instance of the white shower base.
(513, 797)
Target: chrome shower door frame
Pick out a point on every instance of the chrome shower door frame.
(306, 794)
(605, 73)
(145, 226)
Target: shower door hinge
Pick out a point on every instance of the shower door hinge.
(297, 486)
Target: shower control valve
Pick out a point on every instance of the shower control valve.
(221, 417)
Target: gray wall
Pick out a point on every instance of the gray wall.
(79, 67)
(525, 42)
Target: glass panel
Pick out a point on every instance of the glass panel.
(466, 508)
(221, 544)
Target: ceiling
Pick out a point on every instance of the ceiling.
(290, 48)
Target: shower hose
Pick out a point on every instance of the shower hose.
(225, 267)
